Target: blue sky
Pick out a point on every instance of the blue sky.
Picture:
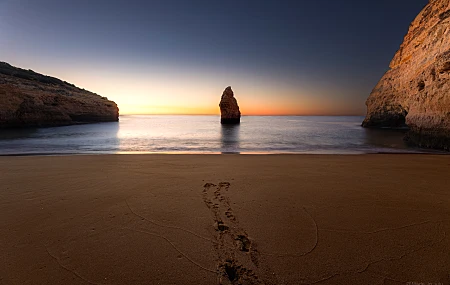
(281, 57)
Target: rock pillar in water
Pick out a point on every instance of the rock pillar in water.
(229, 108)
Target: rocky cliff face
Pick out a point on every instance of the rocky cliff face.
(29, 99)
(229, 108)
(415, 92)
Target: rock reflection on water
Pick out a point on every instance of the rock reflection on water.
(22, 133)
(385, 138)
(230, 139)
(89, 138)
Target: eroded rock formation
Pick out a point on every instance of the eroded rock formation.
(415, 92)
(29, 99)
(229, 108)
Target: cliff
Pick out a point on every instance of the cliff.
(415, 92)
(229, 108)
(30, 99)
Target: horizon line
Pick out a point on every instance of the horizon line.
(273, 115)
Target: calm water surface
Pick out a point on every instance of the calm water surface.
(205, 134)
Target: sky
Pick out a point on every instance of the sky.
(300, 57)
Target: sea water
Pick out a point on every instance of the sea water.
(205, 134)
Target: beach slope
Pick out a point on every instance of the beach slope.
(233, 219)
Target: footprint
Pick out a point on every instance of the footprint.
(220, 226)
(244, 243)
(230, 216)
(231, 271)
(238, 274)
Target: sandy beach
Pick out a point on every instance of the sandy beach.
(225, 219)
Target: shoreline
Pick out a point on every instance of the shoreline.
(430, 152)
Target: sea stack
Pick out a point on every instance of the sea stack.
(30, 99)
(229, 108)
(415, 92)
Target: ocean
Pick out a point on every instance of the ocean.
(204, 134)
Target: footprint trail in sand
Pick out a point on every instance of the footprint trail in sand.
(238, 257)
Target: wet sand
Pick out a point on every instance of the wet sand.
(225, 219)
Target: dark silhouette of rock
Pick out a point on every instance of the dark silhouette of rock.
(415, 92)
(229, 108)
(30, 99)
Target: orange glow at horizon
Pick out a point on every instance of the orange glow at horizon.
(247, 105)
(206, 102)
(245, 111)
(177, 91)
